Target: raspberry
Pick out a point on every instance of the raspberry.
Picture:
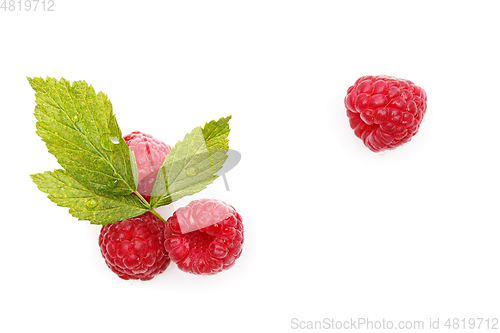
(204, 237)
(133, 248)
(149, 154)
(385, 112)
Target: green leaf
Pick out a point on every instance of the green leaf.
(80, 130)
(86, 204)
(192, 163)
(215, 133)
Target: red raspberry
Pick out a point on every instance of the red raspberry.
(205, 237)
(149, 154)
(133, 248)
(385, 112)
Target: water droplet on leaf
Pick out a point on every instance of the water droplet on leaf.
(79, 124)
(191, 171)
(75, 118)
(109, 142)
(91, 203)
(113, 183)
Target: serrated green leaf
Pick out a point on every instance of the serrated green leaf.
(216, 132)
(192, 163)
(80, 130)
(84, 203)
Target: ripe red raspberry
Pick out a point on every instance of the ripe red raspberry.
(385, 112)
(205, 237)
(133, 248)
(149, 154)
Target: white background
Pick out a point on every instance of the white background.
(333, 230)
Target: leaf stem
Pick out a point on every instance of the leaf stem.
(145, 202)
(157, 215)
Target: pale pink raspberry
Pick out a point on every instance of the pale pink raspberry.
(149, 154)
